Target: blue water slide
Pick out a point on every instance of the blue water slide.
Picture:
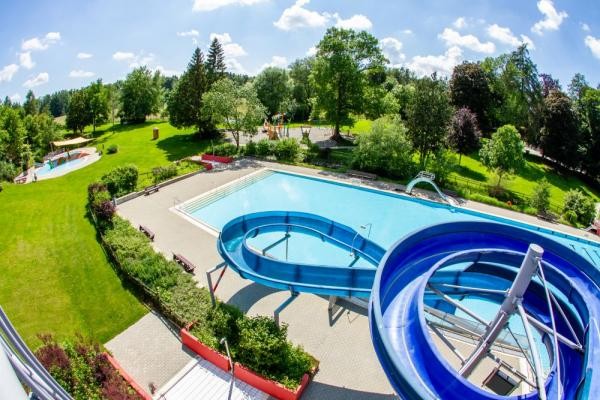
(492, 253)
(324, 279)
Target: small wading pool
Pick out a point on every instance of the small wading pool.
(66, 162)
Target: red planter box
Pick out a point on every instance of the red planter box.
(143, 394)
(221, 159)
(242, 373)
(208, 166)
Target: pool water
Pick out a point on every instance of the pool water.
(51, 167)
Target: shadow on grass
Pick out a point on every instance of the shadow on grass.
(180, 146)
(467, 172)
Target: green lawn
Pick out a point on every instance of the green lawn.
(55, 276)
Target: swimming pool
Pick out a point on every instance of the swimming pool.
(64, 163)
(384, 217)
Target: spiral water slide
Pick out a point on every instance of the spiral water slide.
(554, 290)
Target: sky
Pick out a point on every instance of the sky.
(64, 44)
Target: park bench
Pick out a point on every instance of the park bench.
(150, 189)
(361, 174)
(547, 216)
(187, 265)
(147, 232)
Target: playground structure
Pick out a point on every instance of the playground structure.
(427, 275)
(278, 128)
(427, 177)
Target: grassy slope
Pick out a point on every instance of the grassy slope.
(55, 276)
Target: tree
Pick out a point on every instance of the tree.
(31, 104)
(12, 135)
(577, 86)
(140, 95)
(503, 153)
(464, 134)
(559, 137)
(469, 87)
(549, 84)
(589, 110)
(339, 73)
(97, 96)
(78, 112)
(302, 90)
(540, 199)
(59, 102)
(185, 101)
(273, 88)
(235, 106)
(215, 62)
(41, 130)
(429, 114)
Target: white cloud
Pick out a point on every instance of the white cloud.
(84, 56)
(443, 64)
(593, 44)
(585, 27)
(552, 18)
(25, 60)
(192, 32)
(123, 56)
(297, 16)
(312, 51)
(505, 35)
(7, 73)
(167, 72)
(15, 98)
(40, 44)
(276, 61)
(460, 23)
(40, 79)
(81, 74)
(453, 38)
(209, 5)
(392, 49)
(224, 38)
(407, 31)
(235, 66)
(231, 49)
(357, 22)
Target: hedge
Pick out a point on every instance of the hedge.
(257, 342)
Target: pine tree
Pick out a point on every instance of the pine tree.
(31, 104)
(215, 62)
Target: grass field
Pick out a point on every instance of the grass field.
(55, 276)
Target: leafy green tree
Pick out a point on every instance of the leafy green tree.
(236, 107)
(302, 90)
(589, 111)
(113, 97)
(464, 134)
(429, 114)
(469, 87)
(340, 73)
(31, 104)
(12, 137)
(140, 95)
(577, 86)
(185, 102)
(503, 153)
(97, 96)
(78, 112)
(41, 130)
(215, 62)
(577, 203)
(59, 102)
(273, 88)
(559, 137)
(385, 149)
(540, 199)
(549, 84)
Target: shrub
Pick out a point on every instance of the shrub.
(160, 174)
(225, 149)
(540, 199)
(442, 163)
(8, 171)
(579, 204)
(385, 150)
(93, 189)
(121, 180)
(112, 149)
(100, 202)
(287, 149)
(250, 149)
(265, 148)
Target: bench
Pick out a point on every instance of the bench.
(187, 265)
(150, 189)
(361, 174)
(147, 232)
(547, 216)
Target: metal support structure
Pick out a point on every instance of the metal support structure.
(554, 336)
(534, 352)
(473, 289)
(283, 305)
(276, 243)
(231, 366)
(458, 305)
(332, 301)
(212, 288)
(507, 308)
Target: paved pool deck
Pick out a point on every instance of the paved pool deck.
(341, 340)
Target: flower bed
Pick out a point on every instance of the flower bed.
(221, 159)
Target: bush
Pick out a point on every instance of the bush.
(225, 150)
(160, 174)
(8, 171)
(287, 149)
(385, 150)
(265, 148)
(100, 202)
(578, 203)
(250, 149)
(121, 180)
(112, 149)
(540, 199)
(442, 163)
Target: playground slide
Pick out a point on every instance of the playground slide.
(251, 263)
(492, 251)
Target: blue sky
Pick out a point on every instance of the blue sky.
(52, 45)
